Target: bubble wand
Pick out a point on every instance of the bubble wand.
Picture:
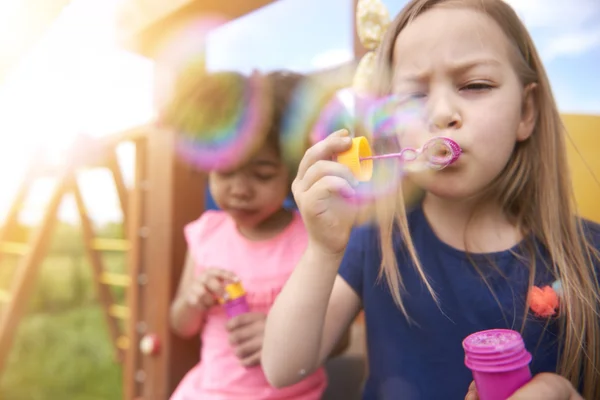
(439, 153)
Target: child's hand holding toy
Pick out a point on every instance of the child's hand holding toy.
(206, 289)
(246, 336)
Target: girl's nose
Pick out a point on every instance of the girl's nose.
(240, 187)
(443, 122)
(443, 114)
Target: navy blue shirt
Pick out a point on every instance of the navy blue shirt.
(424, 360)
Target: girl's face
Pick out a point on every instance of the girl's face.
(458, 61)
(254, 191)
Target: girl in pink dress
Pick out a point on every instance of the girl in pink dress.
(256, 241)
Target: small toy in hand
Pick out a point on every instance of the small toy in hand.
(234, 300)
(499, 362)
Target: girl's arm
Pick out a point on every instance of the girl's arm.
(186, 318)
(308, 318)
(342, 344)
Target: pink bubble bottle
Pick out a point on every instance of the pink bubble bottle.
(499, 362)
(234, 300)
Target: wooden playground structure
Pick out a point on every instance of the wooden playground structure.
(165, 195)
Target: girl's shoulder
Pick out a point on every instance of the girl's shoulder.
(591, 231)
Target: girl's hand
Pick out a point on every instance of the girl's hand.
(319, 190)
(206, 289)
(544, 386)
(246, 333)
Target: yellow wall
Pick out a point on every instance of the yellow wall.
(584, 159)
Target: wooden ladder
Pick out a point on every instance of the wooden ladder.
(14, 299)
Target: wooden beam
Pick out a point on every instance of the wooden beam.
(174, 197)
(136, 205)
(144, 23)
(105, 296)
(121, 188)
(25, 277)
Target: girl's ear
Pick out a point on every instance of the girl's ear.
(529, 113)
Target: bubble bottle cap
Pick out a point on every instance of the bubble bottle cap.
(361, 169)
(233, 291)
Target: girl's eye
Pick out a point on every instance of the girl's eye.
(264, 177)
(225, 174)
(417, 95)
(477, 86)
(405, 95)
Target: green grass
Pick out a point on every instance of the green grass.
(62, 356)
(62, 349)
(64, 281)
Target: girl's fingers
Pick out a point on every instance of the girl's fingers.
(242, 335)
(214, 286)
(207, 301)
(326, 149)
(324, 168)
(223, 274)
(195, 293)
(249, 347)
(547, 386)
(214, 280)
(251, 360)
(328, 187)
(472, 392)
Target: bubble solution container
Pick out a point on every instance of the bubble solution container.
(234, 300)
(499, 362)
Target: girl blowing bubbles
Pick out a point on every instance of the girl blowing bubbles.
(253, 239)
(490, 228)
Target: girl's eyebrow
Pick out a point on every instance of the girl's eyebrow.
(265, 162)
(458, 67)
(466, 65)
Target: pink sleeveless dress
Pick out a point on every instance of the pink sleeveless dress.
(263, 267)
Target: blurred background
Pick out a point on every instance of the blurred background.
(76, 74)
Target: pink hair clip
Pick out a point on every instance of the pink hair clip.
(544, 302)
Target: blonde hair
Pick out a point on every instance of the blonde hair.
(534, 189)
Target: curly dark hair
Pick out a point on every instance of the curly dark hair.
(202, 103)
(284, 85)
